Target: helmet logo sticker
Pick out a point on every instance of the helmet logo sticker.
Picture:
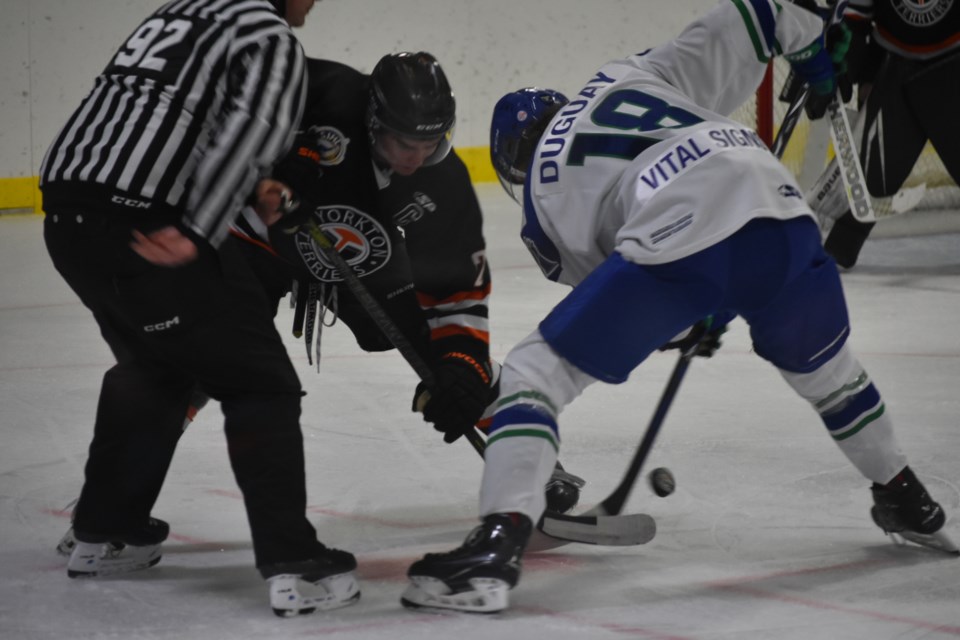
(361, 240)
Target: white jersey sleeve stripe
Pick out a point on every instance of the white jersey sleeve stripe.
(760, 19)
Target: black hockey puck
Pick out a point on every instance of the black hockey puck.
(662, 482)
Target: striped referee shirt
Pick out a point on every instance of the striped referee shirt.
(197, 103)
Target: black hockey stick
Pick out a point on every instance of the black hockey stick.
(566, 527)
(790, 120)
(620, 530)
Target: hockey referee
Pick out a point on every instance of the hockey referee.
(140, 188)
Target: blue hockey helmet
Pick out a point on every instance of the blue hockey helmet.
(519, 120)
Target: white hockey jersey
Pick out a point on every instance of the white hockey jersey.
(641, 161)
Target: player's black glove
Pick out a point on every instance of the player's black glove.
(702, 339)
(459, 396)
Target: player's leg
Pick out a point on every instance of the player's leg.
(892, 141)
(933, 94)
(68, 541)
(602, 330)
(141, 404)
(238, 357)
(803, 331)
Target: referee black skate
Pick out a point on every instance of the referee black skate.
(140, 188)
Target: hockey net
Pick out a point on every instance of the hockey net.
(929, 188)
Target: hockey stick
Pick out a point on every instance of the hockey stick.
(621, 530)
(567, 527)
(382, 319)
(795, 91)
(854, 183)
(799, 93)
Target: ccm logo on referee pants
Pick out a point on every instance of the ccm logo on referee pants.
(162, 326)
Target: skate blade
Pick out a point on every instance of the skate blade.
(92, 560)
(488, 595)
(290, 595)
(938, 541)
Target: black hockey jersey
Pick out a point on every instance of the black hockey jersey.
(416, 241)
(917, 30)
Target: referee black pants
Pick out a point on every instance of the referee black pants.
(203, 325)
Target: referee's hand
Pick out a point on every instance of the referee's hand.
(165, 247)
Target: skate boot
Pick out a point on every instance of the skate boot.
(319, 584)
(106, 554)
(563, 490)
(905, 511)
(476, 576)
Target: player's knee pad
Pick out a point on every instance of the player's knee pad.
(807, 325)
(620, 314)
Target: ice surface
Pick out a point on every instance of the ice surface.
(767, 536)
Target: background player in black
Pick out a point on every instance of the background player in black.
(906, 58)
(140, 189)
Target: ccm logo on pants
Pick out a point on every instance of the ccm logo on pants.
(162, 326)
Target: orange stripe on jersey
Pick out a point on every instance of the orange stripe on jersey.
(427, 300)
(449, 330)
(245, 237)
(922, 49)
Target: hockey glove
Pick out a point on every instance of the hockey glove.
(823, 67)
(702, 339)
(459, 396)
(839, 38)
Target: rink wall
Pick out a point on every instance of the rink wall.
(51, 50)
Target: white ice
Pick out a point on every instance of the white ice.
(768, 535)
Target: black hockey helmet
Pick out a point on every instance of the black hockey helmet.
(410, 96)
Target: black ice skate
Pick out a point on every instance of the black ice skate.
(905, 511)
(319, 584)
(563, 490)
(106, 554)
(476, 576)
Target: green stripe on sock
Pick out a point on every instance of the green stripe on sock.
(860, 379)
(527, 433)
(528, 395)
(854, 430)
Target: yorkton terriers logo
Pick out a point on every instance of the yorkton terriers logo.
(922, 13)
(360, 239)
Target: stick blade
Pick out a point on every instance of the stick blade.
(612, 531)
